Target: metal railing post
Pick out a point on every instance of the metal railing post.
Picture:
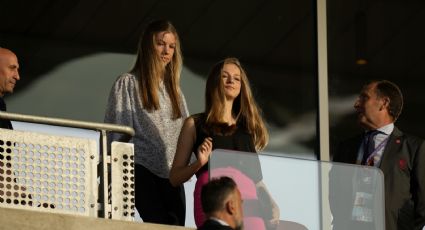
(104, 168)
(105, 178)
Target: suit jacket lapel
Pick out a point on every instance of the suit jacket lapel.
(392, 150)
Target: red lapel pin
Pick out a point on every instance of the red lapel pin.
(402, 164)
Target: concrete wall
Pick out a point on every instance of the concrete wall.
(14, 219)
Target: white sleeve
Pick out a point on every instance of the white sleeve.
(119, 109)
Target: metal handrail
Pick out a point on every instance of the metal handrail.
(68, 123)
(101, 127)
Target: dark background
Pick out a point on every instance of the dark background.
(275, 40)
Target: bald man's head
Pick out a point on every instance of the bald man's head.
(9, 73)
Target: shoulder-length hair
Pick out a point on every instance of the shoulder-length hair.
(149, 69)
(244, 108)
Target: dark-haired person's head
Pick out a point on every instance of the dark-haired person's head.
(390, 90)
(380, 102)
(221, 199)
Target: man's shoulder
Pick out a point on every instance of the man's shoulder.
(212, 224)
(410, 138)
(350, 142)
(352, 139)
(2, 104)
(346, 149)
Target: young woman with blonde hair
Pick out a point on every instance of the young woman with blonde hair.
(149, 99)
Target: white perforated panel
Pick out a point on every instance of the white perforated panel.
(48, 173)
(122, 179)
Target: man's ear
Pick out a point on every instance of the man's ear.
(230, 206)
(385, 103)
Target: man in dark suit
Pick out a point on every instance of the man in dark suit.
(222, 204)
(400, 156)
(9, 75)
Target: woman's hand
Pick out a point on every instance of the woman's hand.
(204, 151)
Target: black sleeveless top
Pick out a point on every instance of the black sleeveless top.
(234, 137)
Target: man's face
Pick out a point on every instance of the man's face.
(9, 74)
(238, 217)
(369, 107)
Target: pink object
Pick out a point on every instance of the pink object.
(246, 187)
(201, 179)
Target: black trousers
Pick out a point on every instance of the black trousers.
(157, 201)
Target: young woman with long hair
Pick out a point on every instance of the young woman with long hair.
(231, 120)
(149, 99)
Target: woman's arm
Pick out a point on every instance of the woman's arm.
(120, 106)
(181, 171)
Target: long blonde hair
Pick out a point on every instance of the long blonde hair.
(149, 70)
(244, 108)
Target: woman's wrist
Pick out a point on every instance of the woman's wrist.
(198, 165)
